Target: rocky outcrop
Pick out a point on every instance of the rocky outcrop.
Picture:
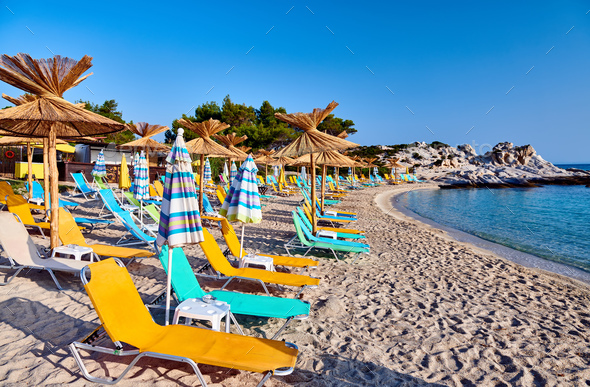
(505, 165)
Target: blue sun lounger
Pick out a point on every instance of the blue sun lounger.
(82, 186)
(186, 286)
(38, 196)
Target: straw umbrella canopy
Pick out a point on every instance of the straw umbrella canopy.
(204, 145)
(145, 131)
(230, 141)
(180, 222)
(50, 115)
(394, 164)
(244, 148)
(369, 163)
(312, 140)
(264, 157)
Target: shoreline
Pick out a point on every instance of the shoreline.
(389, 204)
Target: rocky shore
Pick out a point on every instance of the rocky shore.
(504, 166)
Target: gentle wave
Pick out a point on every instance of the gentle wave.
(552, 222)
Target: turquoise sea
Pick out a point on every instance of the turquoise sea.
(585, 167)
(552, 222)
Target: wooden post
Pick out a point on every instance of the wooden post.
(324, 171)
(46, 174)
(314, 226)
(265, 173)
(336, 176)
(201, 183)
(54, 235)
(30, 175)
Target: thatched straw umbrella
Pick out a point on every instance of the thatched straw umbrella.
(230, 141)
(312, 140)
(19, 101)
(394, 164)
(50, 115)
(370, 161)
(145, 143)
(29, 142)
(244, 148)
(264, 157)
(204, 145)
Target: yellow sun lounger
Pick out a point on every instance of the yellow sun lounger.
(69, 234)
(6, 189)
(221, 265)
(21, 208)
(231, 239)
(159, 188)
(125, 319)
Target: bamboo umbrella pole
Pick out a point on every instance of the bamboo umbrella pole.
(30, 165)
(336, 176)
(313, 196)
(201, 183)
(46, 173)
(324, 171)
(54, 237)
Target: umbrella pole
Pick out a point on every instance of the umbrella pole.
(53, 188)
(313, 196)
(46, 176)
(242, 247)
(265, 173)
(324, 171)
(168, 285)
(201, 182)
(30, 165)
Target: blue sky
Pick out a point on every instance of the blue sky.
(403, 72)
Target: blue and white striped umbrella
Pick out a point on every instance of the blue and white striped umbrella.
(141, 181)
(207, 172)
(135, 162)
(303, 175)
(100, 169)
(276, 171)
(349, 171)
(180, 221)
(375, 171)
(242, 203)
(232, 172)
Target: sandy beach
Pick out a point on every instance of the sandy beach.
(421, 309)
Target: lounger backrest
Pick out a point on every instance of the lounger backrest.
(303, 217)
(159, 188)
(153, 212)
(299, 232)
(69, 232)
(5, 189)
(38, 192)
(215, 255)
(130, 225)
(184, 282)
(131, 199)
(18, 205)
(16, 241)
(109, 200)
(119, 306)
(81, 182)
(306, 231)
(231, 239)
(100, 183)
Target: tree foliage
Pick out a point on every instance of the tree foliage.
(110, 110)
(261, 126)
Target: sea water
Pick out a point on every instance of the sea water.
(552, 222)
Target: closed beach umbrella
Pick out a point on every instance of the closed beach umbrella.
(124, 179)
(375, 171)
(141, 183)
(135, 163)
(207, 173)
(282, 179)
(225, 170)
(180, 221)
(302, 174)
(233, 171)
(100, 169)
(275, 171)
(242, 203)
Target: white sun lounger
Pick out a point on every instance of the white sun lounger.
(22, 252)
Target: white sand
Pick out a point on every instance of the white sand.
(421, 308)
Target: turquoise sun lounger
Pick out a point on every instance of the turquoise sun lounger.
(308, 241)
(82, 186)
(186, 286)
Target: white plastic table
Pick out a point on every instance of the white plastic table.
(73, 250)
(327, 234)
(253, 259)
(197, 309)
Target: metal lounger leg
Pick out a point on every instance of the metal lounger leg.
(281, 329)
(266, 377)
(54, 279)
(18, 270)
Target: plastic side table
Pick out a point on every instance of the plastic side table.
(197, 309)
(73, 250)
